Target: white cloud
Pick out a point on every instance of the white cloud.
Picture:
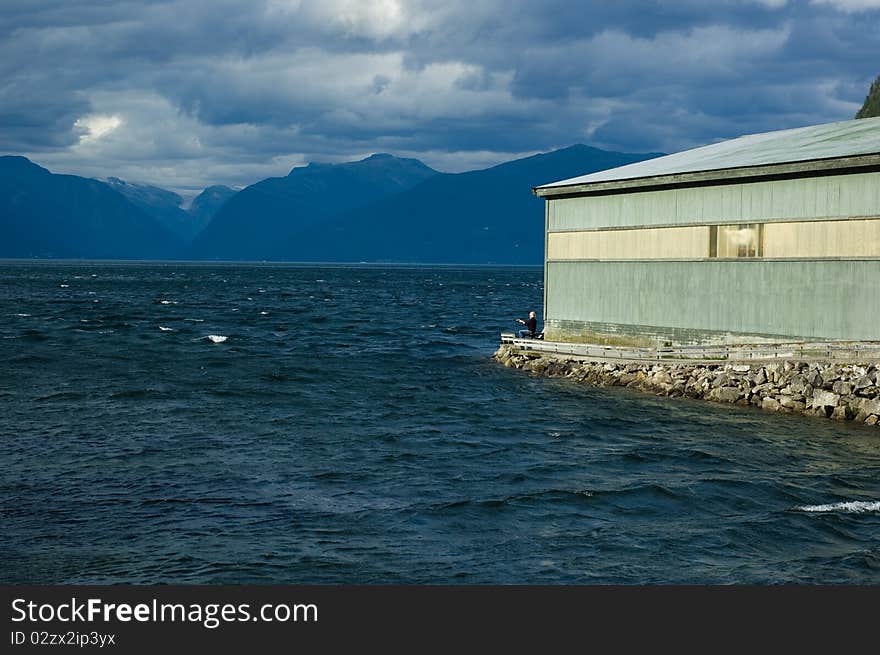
(849, 6)
(374, 19)
(96, 126)
(700, 51)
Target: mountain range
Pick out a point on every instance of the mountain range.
(379, 209)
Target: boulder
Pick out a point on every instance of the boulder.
(797, 384)
(843, 412)
(823, 398)
(830, 375)
(865, 407)
(792, 404)
(726, 394)
(863, 382)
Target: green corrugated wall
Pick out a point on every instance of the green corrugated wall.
(824, 299)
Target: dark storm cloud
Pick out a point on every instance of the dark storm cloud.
(186, 93)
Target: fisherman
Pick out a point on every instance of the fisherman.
(531, 325)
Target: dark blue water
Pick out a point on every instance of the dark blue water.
(352, 428)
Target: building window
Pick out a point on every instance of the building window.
(735, 240)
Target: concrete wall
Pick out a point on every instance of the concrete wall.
(712, 300)
(809, 198)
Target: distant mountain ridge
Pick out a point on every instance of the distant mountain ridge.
(252, 223)
(206, 205)
(165, 206)
(65, 216)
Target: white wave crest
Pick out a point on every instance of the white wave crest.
(217, 338)
(850, 507)
(166, 329)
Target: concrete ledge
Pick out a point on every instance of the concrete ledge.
(814, 351)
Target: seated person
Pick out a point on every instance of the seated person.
(531, 324)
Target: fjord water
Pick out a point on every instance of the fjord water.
(194, 423)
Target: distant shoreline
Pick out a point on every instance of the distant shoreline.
(232, 262)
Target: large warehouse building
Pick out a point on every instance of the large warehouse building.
(768, 237)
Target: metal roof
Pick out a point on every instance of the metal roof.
(843, 139)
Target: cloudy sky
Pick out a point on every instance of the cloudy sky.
(187, 93)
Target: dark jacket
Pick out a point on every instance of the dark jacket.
(532, 325)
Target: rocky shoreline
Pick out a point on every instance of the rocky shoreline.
(844, 392)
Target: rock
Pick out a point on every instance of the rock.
(742, 368)
(797, 384)
(824, 399)
(842, 413)
(794, 405)
(537, 366)
(865, 407)
(760, 377)
(863, 382)
(771, 404)
(726, 394)
(842, 388)
(871, 420)
(830, 375)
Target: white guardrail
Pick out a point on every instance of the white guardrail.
(849, 350)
